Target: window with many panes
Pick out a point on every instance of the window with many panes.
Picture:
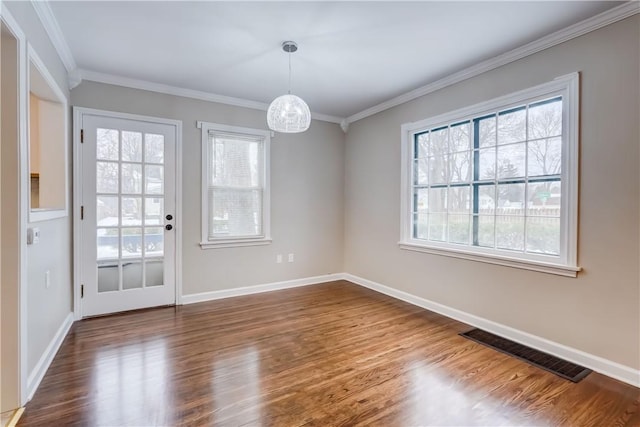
(497, 180)
(235, 186)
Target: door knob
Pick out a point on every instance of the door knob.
(168, 227)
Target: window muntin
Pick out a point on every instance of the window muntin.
(235, 186)
(498, 180)
(492, 181)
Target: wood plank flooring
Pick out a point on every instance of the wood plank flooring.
(325, 355)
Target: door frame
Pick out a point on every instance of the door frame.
(78, 114)
(23, 194)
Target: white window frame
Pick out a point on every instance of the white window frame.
(265, 238)
(566, 263)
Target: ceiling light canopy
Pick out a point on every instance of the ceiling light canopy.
(289, 113)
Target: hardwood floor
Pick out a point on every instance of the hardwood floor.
(323, 355)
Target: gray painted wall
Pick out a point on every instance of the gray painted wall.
(307, 175)
(599, 311)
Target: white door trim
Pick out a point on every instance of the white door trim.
(23, 171)
(78, 114)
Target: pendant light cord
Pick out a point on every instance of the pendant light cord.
(289, 73)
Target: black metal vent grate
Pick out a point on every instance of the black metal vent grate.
(562, 368)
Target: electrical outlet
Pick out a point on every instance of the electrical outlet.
(290, 257)
(47, 279)
(279, 258)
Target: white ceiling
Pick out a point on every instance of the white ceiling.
(352, 56)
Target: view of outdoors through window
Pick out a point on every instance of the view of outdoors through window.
(492, 181)
(129, 209)
(129, 188)
(235, 186)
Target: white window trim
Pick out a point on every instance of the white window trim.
(265, 239)
(566, 264)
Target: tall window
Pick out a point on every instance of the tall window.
(497, 181)
(235, 186)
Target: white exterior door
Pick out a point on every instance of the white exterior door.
(127, 227)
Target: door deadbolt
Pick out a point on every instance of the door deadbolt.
(169, 217)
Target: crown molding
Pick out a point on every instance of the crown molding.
(576, 30)
(79, 75)
(50, 24)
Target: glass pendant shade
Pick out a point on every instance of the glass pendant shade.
(288, 114)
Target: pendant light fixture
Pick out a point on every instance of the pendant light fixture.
(289, 113)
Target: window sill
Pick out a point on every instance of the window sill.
(543, 267)
(234, 243)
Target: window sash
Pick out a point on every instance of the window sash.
(217, 224)
(563, 88)
(235, 207)
(474, 182)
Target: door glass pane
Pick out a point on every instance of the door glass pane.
(154, 148)
(153, 210)
(154, 273)
(154, 176)
(108, 276)
(131, 146)
(131, 275)
(154, 241)
(106, 144)
(131, 178)
(107, 242)
(132, 211)
(106, 177)
(107, 211)
(131, 242)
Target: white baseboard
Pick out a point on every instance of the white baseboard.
(256, 289)
(596, 363)
(33, 381)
